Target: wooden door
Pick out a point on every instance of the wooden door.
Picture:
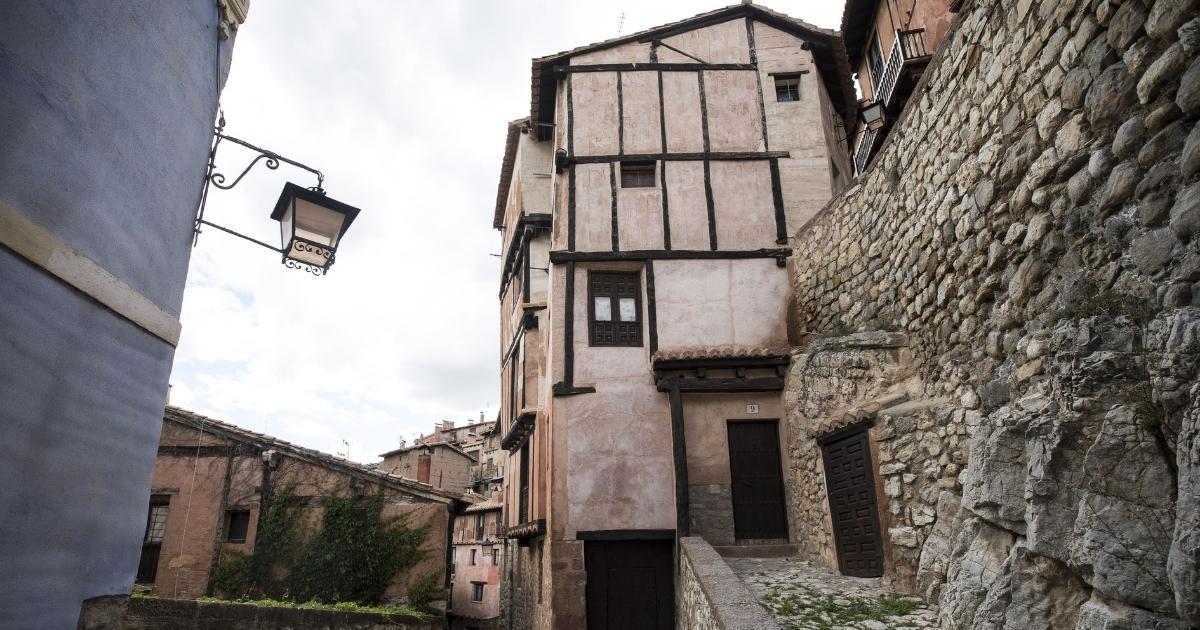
(757, 478)
(850, 478)
(630, 585)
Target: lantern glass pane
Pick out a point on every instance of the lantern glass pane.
(318, 223)
(285, 227)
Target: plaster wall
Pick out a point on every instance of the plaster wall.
(90, 92)
(465, 573)
(639, 218)
(593, 207)
(808, 129)
(594, 104)
(684, 121)
(720, 43)
(688, 211)
(720, 302)
(618, 442)
(733, 108)
(642, 124)
(743, 204)
(632, 52)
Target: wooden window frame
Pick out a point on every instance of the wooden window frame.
(477, 591)
(596, 337)
(793, 78)
(229, 514)
(639, 167)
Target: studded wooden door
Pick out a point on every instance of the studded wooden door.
(850, 479)
(757, 480)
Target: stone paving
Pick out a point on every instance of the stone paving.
(807, 597)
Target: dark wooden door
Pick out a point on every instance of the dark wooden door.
(630, 585)
(754, 468)
(850, 478)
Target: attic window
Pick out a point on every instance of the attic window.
(787, 88)
(637, 174)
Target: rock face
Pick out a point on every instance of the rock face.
(1032, 234)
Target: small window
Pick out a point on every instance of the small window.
(495, 557)
(615, 307)
(637, 174)
(477, 591)
(156, 523)
(237, 523)
(472, 557)
(787, 89)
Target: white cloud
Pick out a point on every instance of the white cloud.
(403, 106)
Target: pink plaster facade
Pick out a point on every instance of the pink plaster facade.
(734, 170)
(477, 562)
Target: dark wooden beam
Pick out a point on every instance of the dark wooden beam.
(679, 454)
(674, 157)
(626, 534)
(697, 385)
(560, 257)
(631, 67)
(777, 198)
(745, 362)
(651, 308)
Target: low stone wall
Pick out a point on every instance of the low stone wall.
(152, 613)
(1032, 225)
(709, 596)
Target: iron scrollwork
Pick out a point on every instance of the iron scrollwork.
(218, 179)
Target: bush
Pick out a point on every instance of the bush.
(424, 590)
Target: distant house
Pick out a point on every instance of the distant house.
(476, 565)
(442, 465)
(889, 45)
(212, 481)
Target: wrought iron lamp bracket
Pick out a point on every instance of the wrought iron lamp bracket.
(270, 158)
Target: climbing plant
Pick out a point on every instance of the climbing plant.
(351, 558)
(355, 554)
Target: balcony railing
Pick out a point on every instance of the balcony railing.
(862, 150)
(908, 45)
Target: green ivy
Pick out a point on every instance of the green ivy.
(351, 558)
(355, 554)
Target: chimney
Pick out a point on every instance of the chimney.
(423, 464)
(403, 442)
(481, 416)
(447, 425)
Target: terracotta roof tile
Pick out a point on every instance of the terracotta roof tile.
(721, 352)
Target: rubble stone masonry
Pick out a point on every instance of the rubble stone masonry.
(1020, 263)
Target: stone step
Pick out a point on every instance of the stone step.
(758, 551)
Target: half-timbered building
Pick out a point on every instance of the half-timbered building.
(645, 206)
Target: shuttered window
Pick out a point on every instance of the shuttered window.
(614, 309)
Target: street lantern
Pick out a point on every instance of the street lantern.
(310, 224)
(872, 115)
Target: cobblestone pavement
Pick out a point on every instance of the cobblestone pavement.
(807, 597)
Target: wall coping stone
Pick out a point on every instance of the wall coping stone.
(728, 597)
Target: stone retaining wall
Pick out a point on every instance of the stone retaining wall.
(152, 613)
(1029, 227)
(710, 596)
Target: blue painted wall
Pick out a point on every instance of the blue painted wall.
(104, 134)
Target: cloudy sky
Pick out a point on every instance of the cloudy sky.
(403, 106)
